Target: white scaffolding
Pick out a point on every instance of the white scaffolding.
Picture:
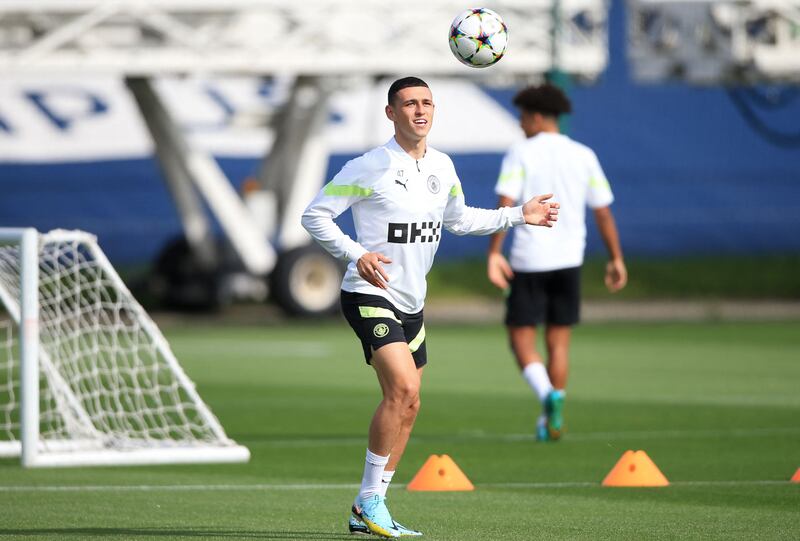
(715, 41)
(309, 37)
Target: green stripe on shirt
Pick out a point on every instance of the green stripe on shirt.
(598, 182)
(345, 190)
(514, 174)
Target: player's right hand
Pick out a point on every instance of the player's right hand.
(498, 270)
(370, 269)
(540, 211)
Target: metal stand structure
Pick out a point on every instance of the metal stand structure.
(715, 41)
(317, 42)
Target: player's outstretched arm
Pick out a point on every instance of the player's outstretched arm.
(539, 211)
(370, 268)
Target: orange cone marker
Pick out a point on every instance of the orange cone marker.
(796, 477)
(635, 469)
(440, 473)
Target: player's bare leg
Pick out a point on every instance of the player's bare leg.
(389, 431)
(400, 382)
(523, 344)
(557, 339)
(400, 443)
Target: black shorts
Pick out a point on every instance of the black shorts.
(551, 297)
(377, 322)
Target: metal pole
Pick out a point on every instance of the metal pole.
(29, 346)
(556, 75)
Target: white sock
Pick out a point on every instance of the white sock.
(386, 478)
(373, 471)
(536, 376)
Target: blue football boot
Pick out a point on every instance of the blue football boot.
(374, 514)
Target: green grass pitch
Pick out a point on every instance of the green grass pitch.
(716, 406)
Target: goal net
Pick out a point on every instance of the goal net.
(86, 377)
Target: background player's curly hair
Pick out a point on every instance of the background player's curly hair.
(546, 99)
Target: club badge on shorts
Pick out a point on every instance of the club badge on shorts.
(433, 184)
(380, 330)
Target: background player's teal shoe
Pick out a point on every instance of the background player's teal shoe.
(554, 410)
(542, 433)
(375, 515)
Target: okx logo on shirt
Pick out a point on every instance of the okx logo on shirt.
(411, 233)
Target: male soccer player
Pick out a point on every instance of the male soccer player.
(544, 273)
(402, 194)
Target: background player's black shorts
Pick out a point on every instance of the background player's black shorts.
(552, 297)
(377, 323)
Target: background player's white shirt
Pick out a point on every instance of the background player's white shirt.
(399, 208)
(553, 163)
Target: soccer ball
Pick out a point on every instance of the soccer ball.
(478, 37)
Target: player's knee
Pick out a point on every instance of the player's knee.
(411, 410)
(405, 394)
(413, 407)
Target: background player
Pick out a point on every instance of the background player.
(402, 194)
(544, 273)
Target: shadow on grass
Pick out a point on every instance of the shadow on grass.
(169, 533)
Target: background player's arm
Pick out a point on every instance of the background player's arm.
(497, 268)
(616, 273)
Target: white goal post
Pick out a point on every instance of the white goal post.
(86, 377)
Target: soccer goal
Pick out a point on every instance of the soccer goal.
(86, 377)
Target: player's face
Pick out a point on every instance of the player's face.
(412, 112)
(531, 123)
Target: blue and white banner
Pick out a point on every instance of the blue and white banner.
(95, 119)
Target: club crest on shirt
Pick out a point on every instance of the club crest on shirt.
(433, 184)
(380, 330)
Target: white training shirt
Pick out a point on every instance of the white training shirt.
(399, 208)
(553, 163)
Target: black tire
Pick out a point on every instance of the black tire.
(179, 282)
(306, 282)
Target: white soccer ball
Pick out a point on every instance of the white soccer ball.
(478, 37)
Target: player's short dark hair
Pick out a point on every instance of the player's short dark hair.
(546, 99)
(400, 84)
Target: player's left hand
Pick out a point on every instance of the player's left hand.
(370, 268)
(616, 275)
(538, 211)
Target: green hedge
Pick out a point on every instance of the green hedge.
(733, 277)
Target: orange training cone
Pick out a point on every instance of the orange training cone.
(440, 473)
(796, 477)
(635, 469)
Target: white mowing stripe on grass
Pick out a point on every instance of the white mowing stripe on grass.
(669, 434)
(340, 486)
(578, 484)
(177, 488)
(572, 437)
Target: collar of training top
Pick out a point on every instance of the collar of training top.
(395, 147)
